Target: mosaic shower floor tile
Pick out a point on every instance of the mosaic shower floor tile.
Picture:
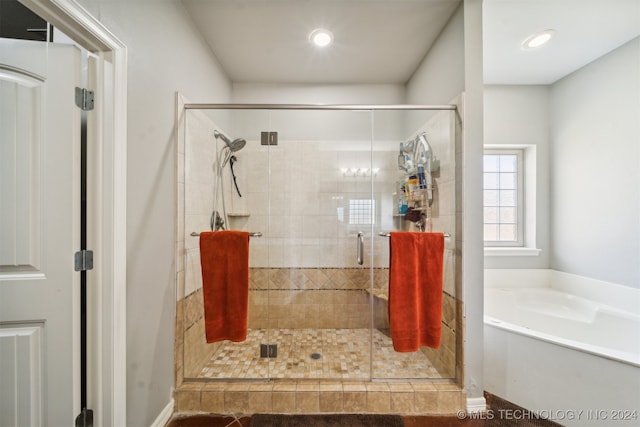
(317, 354)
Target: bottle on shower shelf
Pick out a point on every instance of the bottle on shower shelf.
(408, 164)
(421, 178)
(401, 158)
(414, 186)
(402, 204)
(402, 196)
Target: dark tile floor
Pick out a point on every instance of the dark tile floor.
(501, 413)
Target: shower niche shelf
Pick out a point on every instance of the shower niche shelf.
(238, 214)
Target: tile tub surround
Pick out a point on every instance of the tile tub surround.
(310, 397)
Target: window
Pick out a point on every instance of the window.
(503, 195)
(362, 211)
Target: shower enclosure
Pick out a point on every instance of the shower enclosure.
(318, 187)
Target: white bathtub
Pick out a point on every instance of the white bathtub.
(560, 344)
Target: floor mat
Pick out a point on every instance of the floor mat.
(328, 420)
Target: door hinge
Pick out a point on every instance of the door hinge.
(83, 260)
(85, 419)
(268, 350)
(84, 99)
(268, 138)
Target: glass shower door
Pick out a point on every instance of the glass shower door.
(225, 177)
(317, 187)
(407, 206)
(319, 200)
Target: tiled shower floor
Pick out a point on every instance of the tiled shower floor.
(343, 354)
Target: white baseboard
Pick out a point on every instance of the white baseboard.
(164, 416)
(476, 404)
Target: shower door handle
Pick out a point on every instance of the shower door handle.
(359, 248)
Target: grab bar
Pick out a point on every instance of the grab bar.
(388, 234)
(251, 234)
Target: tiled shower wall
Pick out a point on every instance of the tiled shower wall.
(303, 269)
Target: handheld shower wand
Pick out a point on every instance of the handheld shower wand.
(235, 145)
(224, 155)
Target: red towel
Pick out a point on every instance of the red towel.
(415, 289)
(224, 257)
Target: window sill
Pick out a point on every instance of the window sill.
(510, 251)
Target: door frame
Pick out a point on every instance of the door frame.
(106, 217)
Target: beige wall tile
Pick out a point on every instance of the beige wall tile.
(308, 386)
(283, 402)
(191, 386)
(402, 402)
(448, 309)
(307, 402)
(331, 401)
(188, 401)
(212, 401)
(449, 402)
(400, 387)
(215, 385)
(260, 402)
(354, 386)
(378, 402)
(354, 401)
(285, 386)
(330, 386)
(196, 349)
(425, 402)
(422, 385)
(236, 402)
(377, 387)
(446, 385)
(264, 386)
(193, 308)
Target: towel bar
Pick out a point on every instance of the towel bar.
(387, 234)
(251, 234)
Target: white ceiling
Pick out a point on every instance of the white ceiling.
(376, 41)
(384, 41)
(585, 30)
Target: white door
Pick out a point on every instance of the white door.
(39, 233)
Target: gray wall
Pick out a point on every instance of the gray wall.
(165, 55)
(519, 115)
(595, 169)
(440, 76)
(586, 129)
(452, 66)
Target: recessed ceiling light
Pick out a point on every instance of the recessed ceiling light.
(321, 37)
(537, 39)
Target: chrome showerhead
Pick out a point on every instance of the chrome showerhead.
(235, 145)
